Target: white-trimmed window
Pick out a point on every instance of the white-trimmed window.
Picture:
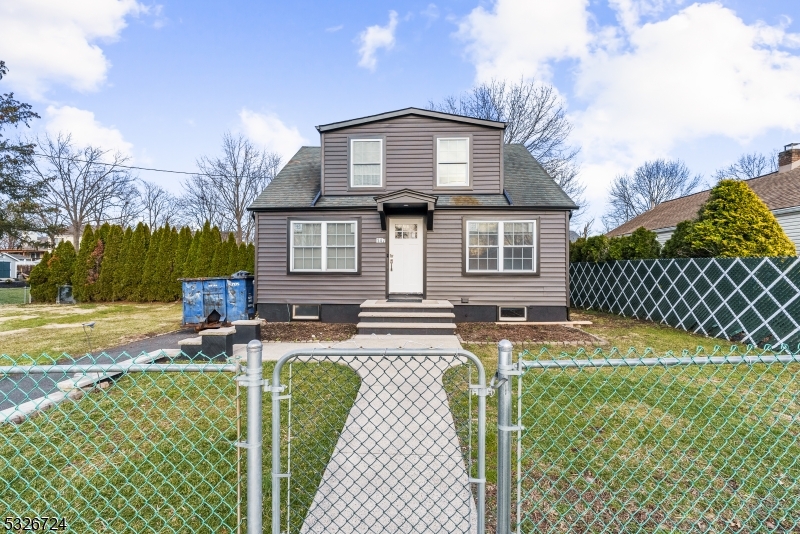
(366, 163)
(323, 246)
(501, 246)
(452, 161)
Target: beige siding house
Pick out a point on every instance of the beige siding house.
(779, 190)
(411, 217)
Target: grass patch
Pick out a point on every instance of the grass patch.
(43, 333)
(156, 453)
(689, 449)
(14, 295)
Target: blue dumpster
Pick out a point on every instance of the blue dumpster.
(231, 296)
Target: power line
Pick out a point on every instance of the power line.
(134, 167)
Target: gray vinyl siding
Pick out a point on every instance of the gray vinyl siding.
(445, 259)
(274, 285)
(445, 279)
(409, 154)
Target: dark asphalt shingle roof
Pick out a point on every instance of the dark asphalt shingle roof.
(525, 181)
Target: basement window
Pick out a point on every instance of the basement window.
(512, 313)
(305, 312)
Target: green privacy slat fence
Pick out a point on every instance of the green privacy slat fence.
(620, 443)
(143, 451)
(753, 300)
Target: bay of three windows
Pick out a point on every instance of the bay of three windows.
(452, 162)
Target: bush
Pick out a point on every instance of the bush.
(677, 246)
(735, 222)
(642, 244)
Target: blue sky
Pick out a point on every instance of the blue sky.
(642, 79)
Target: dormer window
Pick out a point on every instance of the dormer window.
(452, 161)
(366, 163)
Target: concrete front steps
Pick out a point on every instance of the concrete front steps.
(429, 317)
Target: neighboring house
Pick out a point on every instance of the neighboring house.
(12, 266)
(779, 190)
(412, 219)
(26, 253)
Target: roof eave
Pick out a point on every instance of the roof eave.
(409, 111)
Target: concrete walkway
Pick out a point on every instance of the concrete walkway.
(397, 466)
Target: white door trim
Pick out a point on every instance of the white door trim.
(405, 266)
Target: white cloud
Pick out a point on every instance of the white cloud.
(431, 13)
(700, 73)
(52, 41)
(374, 38)
(664, 76)
(85, 129)
(268, 131)
(334, 29)
(519, 37)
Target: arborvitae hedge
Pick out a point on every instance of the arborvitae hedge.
(114, 265)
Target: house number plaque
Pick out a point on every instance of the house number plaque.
(380, 240)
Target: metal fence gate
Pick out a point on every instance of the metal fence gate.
(378, 441)
(644, 444)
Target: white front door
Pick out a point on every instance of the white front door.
(405, 254)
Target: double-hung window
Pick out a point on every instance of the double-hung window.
(366, 163)
(323, 246)
(452, 161)
(501, 246)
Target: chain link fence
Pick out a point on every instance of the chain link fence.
(635, 443)
(366, 441)
(752, 300)
(121, 447)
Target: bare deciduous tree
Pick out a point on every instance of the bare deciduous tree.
(159, 206)
(87, 185)
(535, 116)
(226, 185)
(748, 166)
(650, 184)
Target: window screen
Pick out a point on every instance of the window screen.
(486, 253)
(305, 311)
(452, 162)
(512, 313)
(367, 156)
(324, 246)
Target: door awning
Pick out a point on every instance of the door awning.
(406, 201)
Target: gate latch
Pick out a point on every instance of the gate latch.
(481, 391)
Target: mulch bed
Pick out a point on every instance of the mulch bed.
(491, 332)
(304, 330)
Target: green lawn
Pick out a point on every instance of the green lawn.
(652, 450)
(14, 295)
(44, 333)
(156, 453)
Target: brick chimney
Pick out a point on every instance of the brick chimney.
(790, 157)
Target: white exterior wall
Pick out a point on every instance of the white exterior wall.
(663, 234)
(789, 220)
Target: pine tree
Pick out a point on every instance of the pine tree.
(190, 265)
(251, 259)
(119, 288)
(219, 265)
(62, 267)
(148, 285)
(109, 267)
(80, 278)
(40, 280)
(735, 222)
(242, 260)
(169, 290)
(135, 258)
(184, 243)
(209, 241)
(233, 255)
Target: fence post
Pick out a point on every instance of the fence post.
(255, 388)
(504, 429)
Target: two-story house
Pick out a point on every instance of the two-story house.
(410, 221)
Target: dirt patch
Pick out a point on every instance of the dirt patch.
(307, 331)
(521, 332)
